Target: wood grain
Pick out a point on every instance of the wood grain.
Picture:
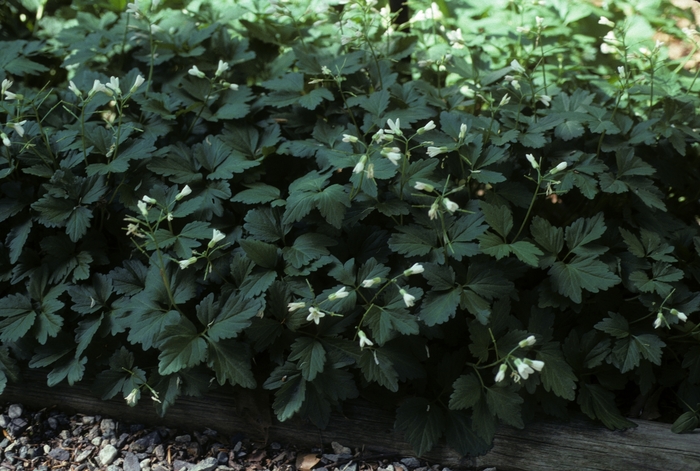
(579, 445)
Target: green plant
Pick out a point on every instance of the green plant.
(507, 219)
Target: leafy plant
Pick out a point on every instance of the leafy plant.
(485, 213)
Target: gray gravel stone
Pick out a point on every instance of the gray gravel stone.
(145, 442)
(179, 465)
(411, 462)
(131, 462)
(83, 455)
(15, 410)
(208, 464)
(107, 427)
(107, 455)
(59, 454)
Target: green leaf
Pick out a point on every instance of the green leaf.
(314, 98)
(649, 345)
(483, 420)
(467, 392)
(412, 241)
(386, 322)
(584, 231)
(86, 330)
(71, 368)
(462, 232)
(589, 273)
(550, 238)
(557, 375)
(311, 356)
(615, 325)
(266, 224)
(182, 347)
(380, 370)
(307, 248)
(17, 237)
(234, 316)
(499, 218)
(493, 245)
(596, 402)
(289, 398)
(262, 253)
(460, 435)
(628, 164)
(17, 315)
(422, 423)
(686, 422)
(230, 362)
(257, 193)
(439, 307)
(662, 274)
(505, 404)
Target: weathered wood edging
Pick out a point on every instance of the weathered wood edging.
(579, 445)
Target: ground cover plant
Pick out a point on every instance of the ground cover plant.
(482, 214)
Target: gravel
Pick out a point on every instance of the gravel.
(51, 440)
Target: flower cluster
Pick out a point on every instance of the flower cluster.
(521, 368)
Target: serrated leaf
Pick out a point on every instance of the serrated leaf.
(440, 277)
(412, 241)
(686, 422)
(650, 345)
(289, 397)
(387, 322)
(460, 435)
(262, 253)
(257, 193)
(311, 356)
(557, 375)
(266, 224)
(499, 218)
(483, 420)
(439, 307)
(230, 362)
(182, 347)
(86, 330)
(17, 237)
(467, 392)
(71, 368)
(596, 402)
(584, 231)
(505, 404)
(380, 370)
(589, 273)
(422, 423)
(18, 317)
(234, 316)
(615, 325)
(462, 232)
(306, 248)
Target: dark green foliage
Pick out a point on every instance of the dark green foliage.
(224, 196)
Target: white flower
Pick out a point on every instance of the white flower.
(428, 127)
(315, 315)
(18, 127)
(450, 205)
(194, 71)
(606, 48)
(538, 21)
(610, 38)
(559, 168)
(6, 84)
(433, 151)
(515, 65)
(423, 187)
(531, 158)
(98, 86)
(515, 84)
(186, 263)
(75, 90)
(360, 166)
(455, 38)
(137, 83)
(432, 212)
(621, 72)
(604, 21)
(340, 294)
(155, 29)
(505, 100)
(545, 99)
(371, 282)
(114, 85)
(184, 192)
(133, 8)
(527, 342)
(645, 51)
(217, 236)
(462, 131)
(381, 135)
(325, 70)
(148, 199)
(5, 140)
(414, 270)
(501, 375)
(291, 307)
(132, 398)
(408, 298)
(660, 320)
(522, 29)
(10, 96)
(394, 126)
(223, 67)
(681, 316)
(395, 157)
(524, 369)
(143, 208)
(364, 341)
(349, 138)
(536, 365)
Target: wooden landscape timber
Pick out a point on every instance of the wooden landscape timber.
(579, 445)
